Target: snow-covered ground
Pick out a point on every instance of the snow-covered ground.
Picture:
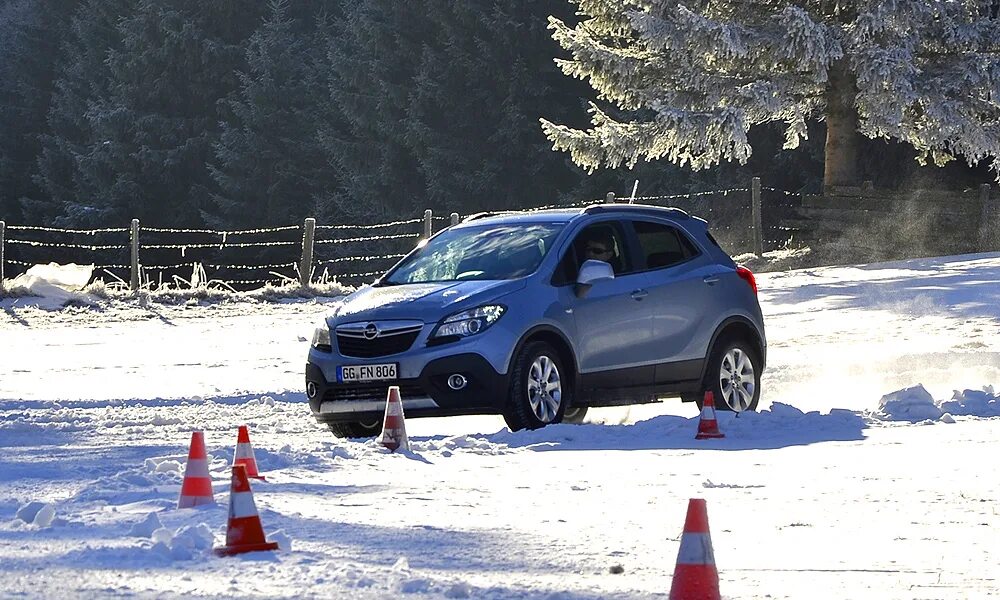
(829, 492)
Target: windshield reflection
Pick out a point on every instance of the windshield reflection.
(487, 252)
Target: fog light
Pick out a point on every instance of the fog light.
(311, 389)
(457, 381)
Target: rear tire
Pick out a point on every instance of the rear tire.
(355, 430)
(733, 375)
(538, 393)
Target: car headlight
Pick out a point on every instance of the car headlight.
(321, 337)
(469, 322)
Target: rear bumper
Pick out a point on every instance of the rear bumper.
(426, 396)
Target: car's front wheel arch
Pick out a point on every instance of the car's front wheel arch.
(540, 390)
(555, 338)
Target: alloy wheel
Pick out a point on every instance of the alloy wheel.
(737, 379)
(544, 389)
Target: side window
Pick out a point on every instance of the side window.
(603, 241)
(600, 241)
(663, 245)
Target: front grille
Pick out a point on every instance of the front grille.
(381, 346)
(371, 391)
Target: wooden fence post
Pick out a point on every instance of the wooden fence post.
(134, 235)
(758, 221)
(610, 198)
(305, 267)
(989, 219)
(454, 219)
(428, 223)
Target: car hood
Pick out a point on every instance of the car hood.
(429, 302)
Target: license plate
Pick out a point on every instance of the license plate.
(367, 372)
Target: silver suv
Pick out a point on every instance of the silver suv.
(538, 316)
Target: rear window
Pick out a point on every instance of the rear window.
(663, 245)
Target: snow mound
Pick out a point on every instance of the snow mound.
(71, 277)
(916, 404)
(39, 514)
(55, 284)
(283, 540)
(784, 411)
(45, 516)
(146, 527)
(909, 404)
(978, 403)
(466, 443)
(27, 512)
(162, 465)
(262, 401)
(188, 542)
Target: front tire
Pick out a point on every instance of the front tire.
(538, 393)
(355, 430)
(733, 376)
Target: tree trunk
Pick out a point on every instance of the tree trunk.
(842, 138)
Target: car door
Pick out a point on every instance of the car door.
(681, 289)
(613, 320)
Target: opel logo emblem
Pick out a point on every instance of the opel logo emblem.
(371, 331)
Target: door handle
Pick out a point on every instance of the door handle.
(639, 294)
(711, 279)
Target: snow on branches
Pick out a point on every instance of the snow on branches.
(687, 81)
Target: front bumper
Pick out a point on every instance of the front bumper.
(426, 395)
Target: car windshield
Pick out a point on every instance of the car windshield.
(495, 251)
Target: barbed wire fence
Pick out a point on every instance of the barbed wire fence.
(139, 257)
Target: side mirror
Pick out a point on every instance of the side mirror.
(591, 272)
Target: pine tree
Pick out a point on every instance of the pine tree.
(374, 53)
(30, 34)
(696, 76)
(154, 131)
(268, 164)
(484, 78)
(441, 101)
(83, 80)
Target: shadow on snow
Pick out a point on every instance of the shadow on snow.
(780, 427)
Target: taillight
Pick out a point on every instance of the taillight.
(747, 276)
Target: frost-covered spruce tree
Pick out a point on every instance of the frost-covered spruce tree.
(83, 78)
(693, 77)
(153, 130)
(268, 163)
(30, 33)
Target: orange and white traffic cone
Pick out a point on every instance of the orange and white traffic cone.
(695, 576)
(244, 454)
(708, 427)
(244, 532)
(197, 486)
(394, 425)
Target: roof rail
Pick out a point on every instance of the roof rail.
(506, 213)
(648, 209)
(479, 215)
